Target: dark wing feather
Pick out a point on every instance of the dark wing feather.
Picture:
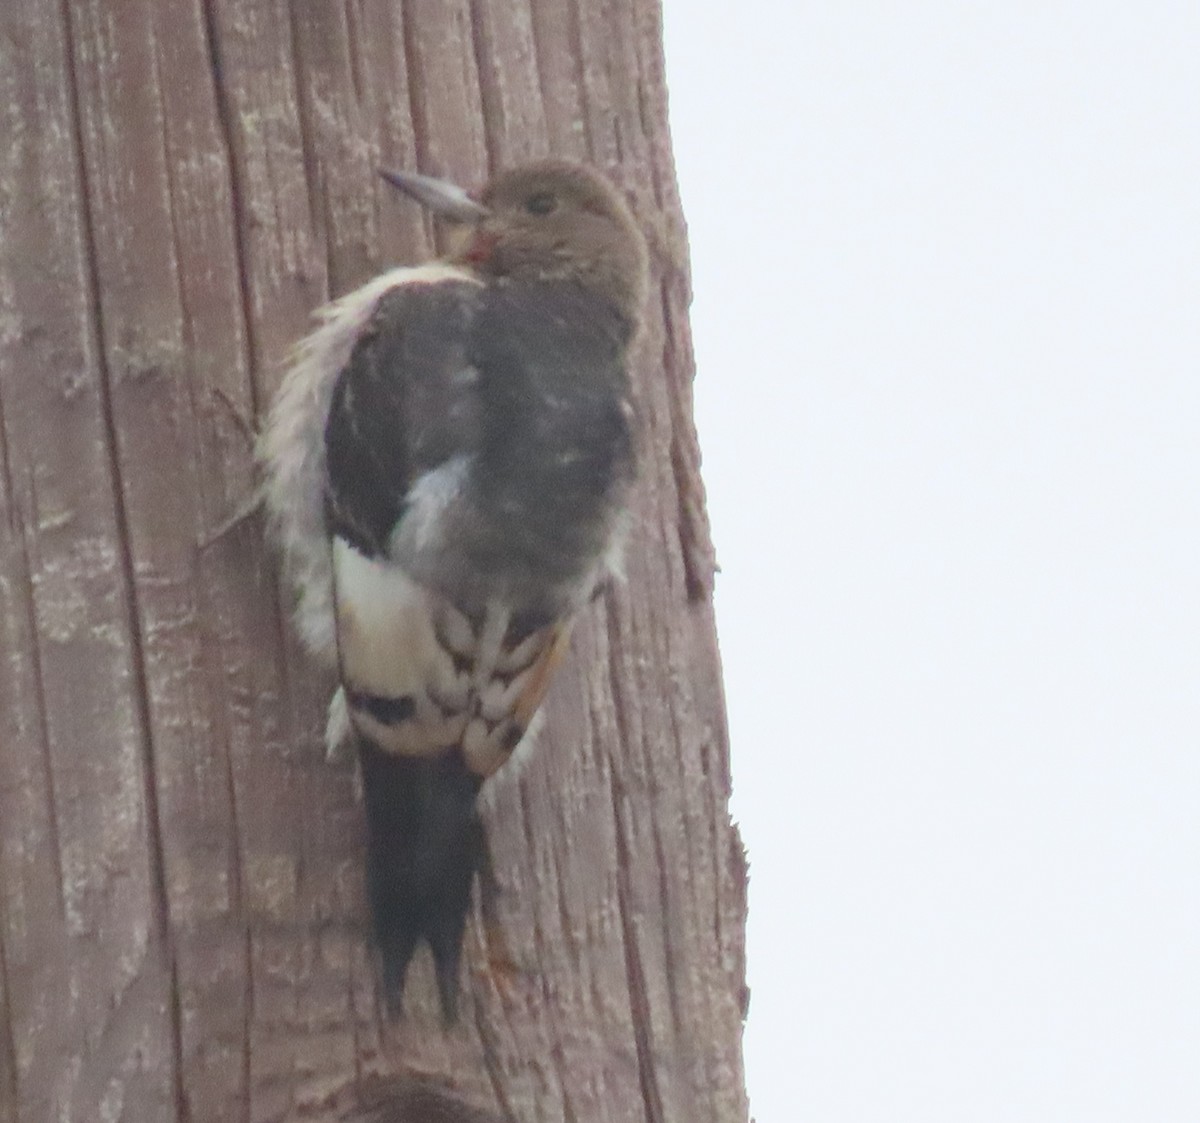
(406, 401)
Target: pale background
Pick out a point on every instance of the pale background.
(947, 274)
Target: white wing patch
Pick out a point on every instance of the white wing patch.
(387, 629)
(291, 450)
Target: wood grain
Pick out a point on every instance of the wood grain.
(181, 913)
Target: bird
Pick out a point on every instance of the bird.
(447, 470)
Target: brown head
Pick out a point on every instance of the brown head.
(550, 220)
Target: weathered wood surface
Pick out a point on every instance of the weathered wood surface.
(181, 182)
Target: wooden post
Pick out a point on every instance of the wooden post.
(181, 912)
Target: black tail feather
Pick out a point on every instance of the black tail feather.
(425, 844)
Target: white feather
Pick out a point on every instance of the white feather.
(292, 449)
(386, 634)
(426, 503)
(337, 727)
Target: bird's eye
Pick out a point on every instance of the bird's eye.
(542, 203)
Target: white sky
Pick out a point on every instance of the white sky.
(947, 319)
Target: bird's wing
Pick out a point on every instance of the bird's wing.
(405, 408)
(292, 452)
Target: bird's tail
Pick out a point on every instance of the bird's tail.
(425, 844)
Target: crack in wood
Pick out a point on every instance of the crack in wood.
(635, 977)
(695, 539)
(492, 1065)
(579, 57)
(240, 216)
(10, 1074)
(308, 156)
(490, 102)
(353, 50)
(155, 859)
(37, 670)
(555, 1032)
(238, 906)
(418, 111)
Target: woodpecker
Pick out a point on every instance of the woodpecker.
(447, 466)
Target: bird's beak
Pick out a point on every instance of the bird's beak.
(445, 199)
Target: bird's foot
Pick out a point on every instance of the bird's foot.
(499, 967)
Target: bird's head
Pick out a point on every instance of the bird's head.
(550, 220)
